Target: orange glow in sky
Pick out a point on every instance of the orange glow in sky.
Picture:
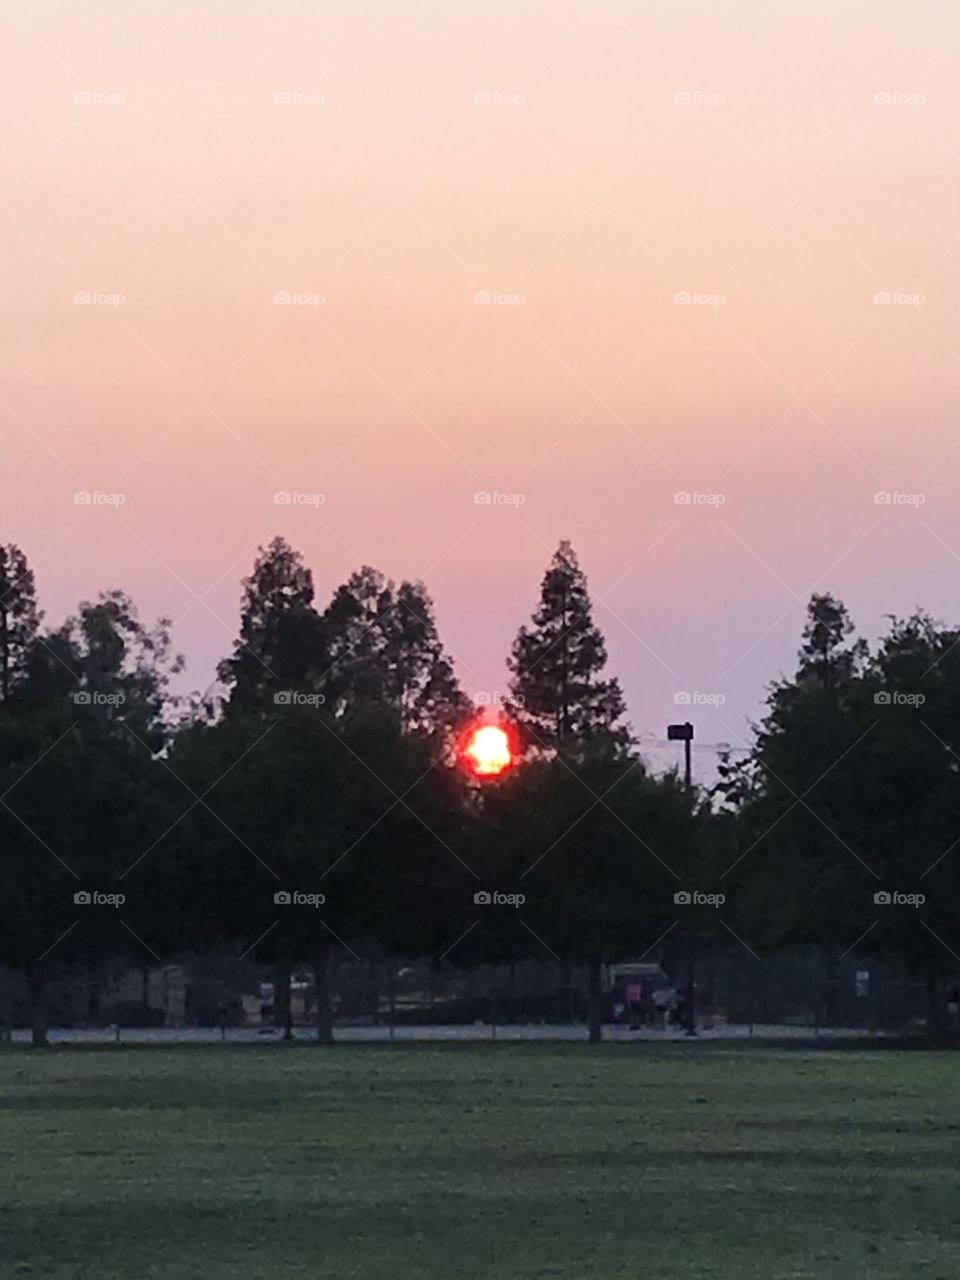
(488, 751)
(430, 286)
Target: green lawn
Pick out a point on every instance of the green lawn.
(496, 1161)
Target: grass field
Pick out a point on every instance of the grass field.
(458, 1162)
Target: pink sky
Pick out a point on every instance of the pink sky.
(794, 159)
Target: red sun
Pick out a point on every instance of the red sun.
(487, 751)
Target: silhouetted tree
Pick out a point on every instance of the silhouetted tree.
(384, 650)
(560, 698)
(19, 620)
(564, 706)
(280, 645)
(123, 667)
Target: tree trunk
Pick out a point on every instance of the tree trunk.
(594, 1002)
(282, 1008)
(6, 1006)
(324, 1010)
(37, 991)
(936, 1023)
(690, 1000)
(831, 1003)
(93, 998)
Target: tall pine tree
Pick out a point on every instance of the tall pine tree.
(385, 650)
(561, 700)
(280, 645)
(19, 620)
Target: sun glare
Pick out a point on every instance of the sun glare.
(487, 751)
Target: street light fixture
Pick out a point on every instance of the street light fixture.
(684, 733)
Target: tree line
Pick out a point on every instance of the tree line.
(315, 807)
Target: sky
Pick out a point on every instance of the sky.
(464, 280)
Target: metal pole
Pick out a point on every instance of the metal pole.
(691, 979)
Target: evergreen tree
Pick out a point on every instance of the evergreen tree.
(123, 668)
(384, 649)
(560, 699)
(825, 657)
(280, 643)
(19, 619)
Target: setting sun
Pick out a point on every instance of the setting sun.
(487, 751)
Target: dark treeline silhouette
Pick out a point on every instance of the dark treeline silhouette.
(328, 765)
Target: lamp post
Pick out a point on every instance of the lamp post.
(684, 733)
